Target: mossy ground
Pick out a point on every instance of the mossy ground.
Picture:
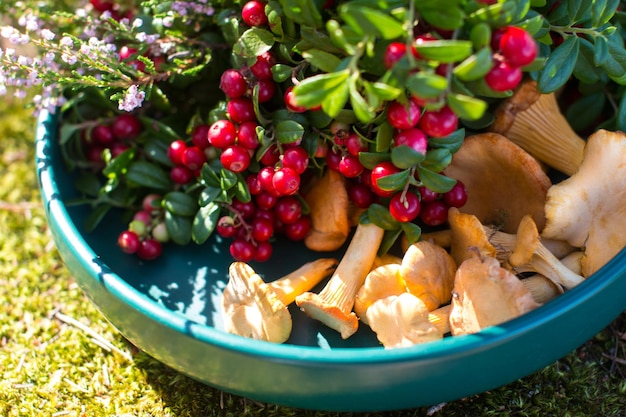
(51, 368)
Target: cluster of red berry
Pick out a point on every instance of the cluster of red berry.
(115, 135)
(513, 49)
(146, 232)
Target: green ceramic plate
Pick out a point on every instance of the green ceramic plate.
(170, 308)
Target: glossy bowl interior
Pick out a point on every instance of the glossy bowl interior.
(170, 308)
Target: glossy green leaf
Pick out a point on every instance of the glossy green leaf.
(369, 21)
(437, 159)
(288, 131)
(480, 35)
(228, 179)
(578, 9)
(445, 51)
(452, 142)
(208, 195)
(434, 181)
(586, 69)
(241, 191)
(384, 91)
(393, 182)
(119, 165)
(559, 66)
(95, 217)
(253, 42)
(179, 228)
(384, 136)
(204, 222)
(443, 15)
(474, 67)
(466, 107)
(209, 176)
(405, 157)
(305, 12)
(156, 150)
(329, 89)
(390, 237)
(67, 131)
(339, 37)
(584, 112)
(602, 11)
(145, 174)
(412, 232)
(281, 72)
(370, 159)
(323, 60)
(601, 51)
(426, 85)
(180, 203)
(380, 216)
(615, 63)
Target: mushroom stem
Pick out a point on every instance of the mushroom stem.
(302, 279)
(534, 122)
(333, 305)
(440, 317)
(542, 289)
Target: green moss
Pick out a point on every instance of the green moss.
(50, 368)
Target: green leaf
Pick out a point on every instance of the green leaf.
(323, 60)
(179, 228)
(119, 165)
(304, 12)
(204, 222)
(331, 90)
(384, 136)
(434, 181)
(67, 131)
(362, 109)
(577, 9)
(559, 66)
(241, 190)
(426, 85)
(370, 159)
(443, 15)
(95, 217)
(380, 216)
(584, 112)
(466, 107)
(602, 11)
(253, 42)
(146, 174)
(281, 72)
(615, 64)
(445, 51)
(88, 183)
(369, 21)
(452, 142)
(208, 195)
(288, 131)
(209, 176)
(228, 179)
(180, 203)
(480, 35)
(389, 239)
(475, 66)
(156, 150)
(585, 69)
(406, 157)
(393, 182)
(437, 160)
(412, 232)
(601, 51)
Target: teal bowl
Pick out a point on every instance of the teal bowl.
(170, 309)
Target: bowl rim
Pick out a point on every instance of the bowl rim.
(447, 347)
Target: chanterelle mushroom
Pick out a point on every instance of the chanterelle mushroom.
(504, 183)
(258, 310)
(589, 208)
(534, 121)
(333, 305)
(467, 232)
(485, 294)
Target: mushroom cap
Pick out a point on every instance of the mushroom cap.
(588, 209)
(401, 321)
(382, 282)
(252, 309)
(485, 294)
(428, 272)
(467, 232)
(503, 181)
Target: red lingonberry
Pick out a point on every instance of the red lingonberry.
(503, 76)
(176, 150)
(180, 174)
(265, 200)
(290, 101)
(321, 150)
(360, 195)
(394, 52)
(457, 196)
(271, 156)
(225, 227)
(427, 195)
(200, 136)
(252, 182)
(403, 115)
(245, 209)
(518, 47)
(150, 249)
(296, 158)
(129, 242)
(253, 13)
(288, 209)
(262, 229)
(235, 158)
(333, 159)
(439, 123)
(262, 67)
(413, 138)
(118, 148)
(222, 133)
(240, 109)
(298, 229)
(404, 207)
(233, 83)
(266, 90)
(286, 181)
(126, 126)
(264, 177)
(143, 216)
(434, 213)
(242, 250)
(381, 170)
(263, 252)
(354, 144)
(94, 154)
(350, 166)
(247, 136)
(103, 134)
(126, 52)
(193, 158)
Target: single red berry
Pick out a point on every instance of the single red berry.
(382, 170)
(240, 109)
(242, 250)
(427, 195)
(265, 179)
(354, 144)
(267, 88)
(151, 202)
(296, 158)
(518, 47)
(404, 207)
(118, 148)
(434, 213)
(394, 52)
(233, 83)
(262, 68)
(457, 196)
(350, 166)
(288, 209)
(253, 13)
(225, 227)
(103, 134)
(263, 252)
(222, 133)
(271, 156)
(176, 150)
(144, 216)
(333, 160)
(193, 158)
(503, 76)
(360, 194)
(235, 158)
(129, 242)
(126, 126)
(254, 187)
(290, 101)
(102, 5)
(245, 209)
(262, 229)
(200, 136)
(403, 115)
(413, 138)
(298, 229)
(150, 249)
(180, 174)
(247, 136)
(286, 181)
(265, 200)
(439, 123)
